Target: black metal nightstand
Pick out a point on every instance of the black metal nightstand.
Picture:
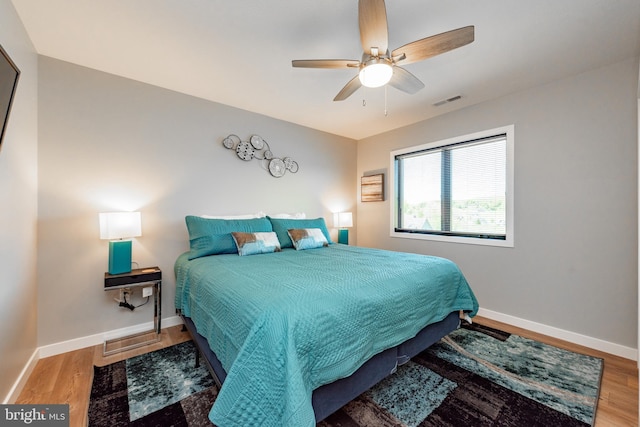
(138, 278)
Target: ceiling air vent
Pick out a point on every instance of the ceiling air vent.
(446, 101)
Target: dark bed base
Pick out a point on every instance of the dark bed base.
(330, 397)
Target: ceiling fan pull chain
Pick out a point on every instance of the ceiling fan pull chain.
(385, 101)
(364, 102)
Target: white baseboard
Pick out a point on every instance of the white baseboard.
(22, 378)
(91, 340)
(572, 337)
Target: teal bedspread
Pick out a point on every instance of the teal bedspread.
(285, 323)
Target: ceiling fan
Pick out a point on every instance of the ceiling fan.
(377, 67)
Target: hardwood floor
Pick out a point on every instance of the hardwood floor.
(66, 378)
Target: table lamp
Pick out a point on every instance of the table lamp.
(342, 221)
(116, 226)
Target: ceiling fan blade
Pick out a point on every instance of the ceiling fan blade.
(325, 63)
(353, 85)
(405, 81)
(434, 45)
(372, 17)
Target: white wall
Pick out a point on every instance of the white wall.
(18, 208)
(107, 143)
(574, 264)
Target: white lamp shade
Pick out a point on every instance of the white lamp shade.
(375, 75)
(120, 225)
(343, 220)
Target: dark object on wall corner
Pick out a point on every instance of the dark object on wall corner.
(9, 74)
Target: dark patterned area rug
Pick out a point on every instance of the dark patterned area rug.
(161, 388)
(476, 376)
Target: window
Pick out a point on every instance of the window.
(458, 190)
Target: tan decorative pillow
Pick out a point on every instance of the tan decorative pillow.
(307, 238)
(256, 243)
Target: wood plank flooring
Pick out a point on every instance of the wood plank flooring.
(66, 378)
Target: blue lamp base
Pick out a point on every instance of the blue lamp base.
(119, 256)
(343, 236)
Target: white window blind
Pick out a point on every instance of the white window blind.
(459, 188)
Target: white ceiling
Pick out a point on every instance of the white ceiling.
(239, 52)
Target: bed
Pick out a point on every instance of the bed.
(295, 332)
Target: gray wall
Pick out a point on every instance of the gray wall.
(18, 208)
(107, 144)
(574, 264)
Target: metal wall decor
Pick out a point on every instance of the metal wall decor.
(257, 148)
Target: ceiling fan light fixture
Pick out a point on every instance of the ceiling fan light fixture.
(378, 65)
(376, 73)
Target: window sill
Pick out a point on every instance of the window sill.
(508, 243)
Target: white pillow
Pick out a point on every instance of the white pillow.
(247, 216)
(299, 215)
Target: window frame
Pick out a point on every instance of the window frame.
(509, 240)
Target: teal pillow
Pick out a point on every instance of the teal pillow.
(282, 226)
(213, 236)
